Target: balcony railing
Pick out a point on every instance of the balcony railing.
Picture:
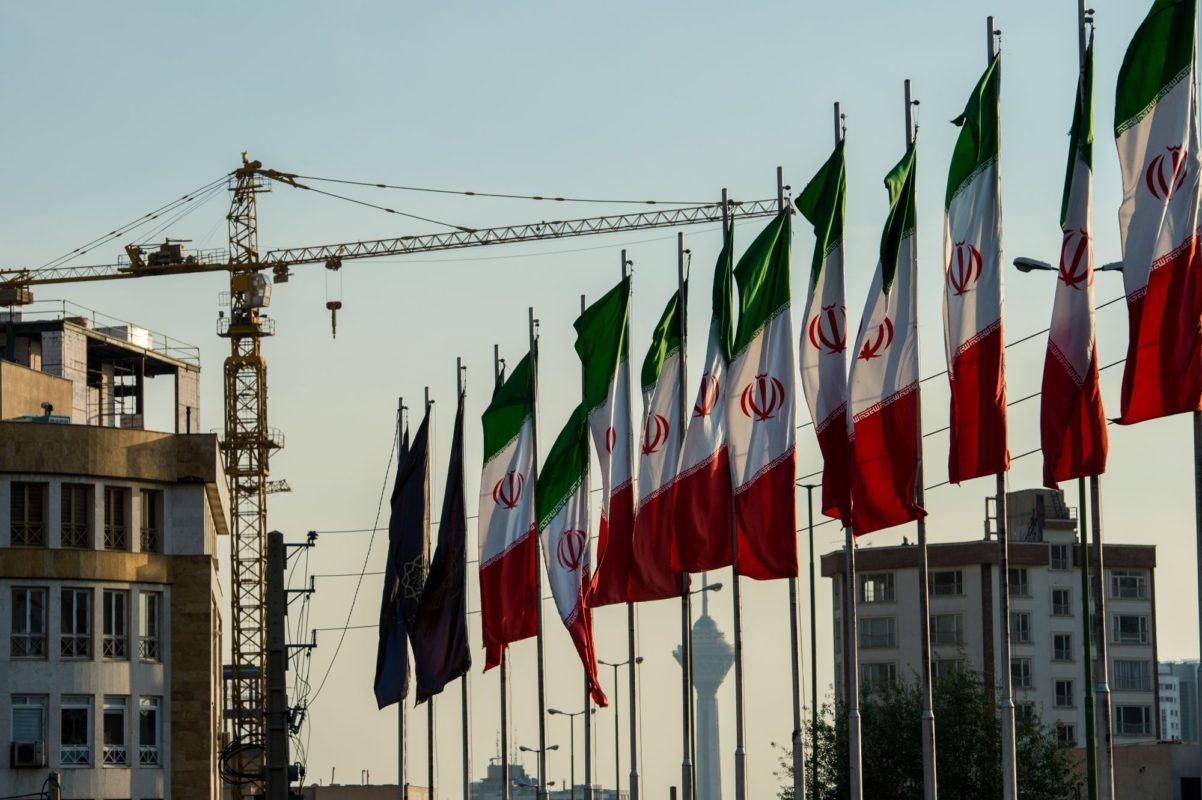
(150, 540)
(75, 535)
(148, 755)
(28, 534)
(75, 646)
(28, 645)
(115, 755)
(114, 537)
(148, 648)
(116, 647)
(75, 755)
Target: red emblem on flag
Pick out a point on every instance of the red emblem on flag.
(570, 549)
(508, 491)
(875, 344)
(611, 439)
(655, 433)
(1075, 259)
(762, 398)
(828, 330)
(707, 396)
(1166, 172)
(965, 268)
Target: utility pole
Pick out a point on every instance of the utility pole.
(277, 666)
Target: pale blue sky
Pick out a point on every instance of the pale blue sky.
(113, 109)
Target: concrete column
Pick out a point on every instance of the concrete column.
(187, 400)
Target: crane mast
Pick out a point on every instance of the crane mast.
(247, 445)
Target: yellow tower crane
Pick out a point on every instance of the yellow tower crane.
(248, 442)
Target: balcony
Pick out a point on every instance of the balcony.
(148, 755)
(115, 647)
(115, 755)
(28, 645)
(75, 755)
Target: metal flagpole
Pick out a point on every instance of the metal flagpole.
(1198, 532)
(588, 696)
(499, 375)
(1091, 738)
(930, 775)
(1102, 693)
(1006, 701)
(851, 637)
(686, 610)
(815, 791)
(632, 646)
(740, 750)
(431, 791)
(465, 693)
(400, 706)
(542, 693)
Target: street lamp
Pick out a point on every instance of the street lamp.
(539, 751)
(1025, 264)
(617, 747)
(571, 715)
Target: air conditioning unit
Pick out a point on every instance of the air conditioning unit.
(27, 754)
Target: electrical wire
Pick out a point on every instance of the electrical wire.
(505, 195)
(379, 207)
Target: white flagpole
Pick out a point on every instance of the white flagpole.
(631, 643)
(1102, 692)
(1006, 700)
(686, 610)
(499, 375)
(542, 678)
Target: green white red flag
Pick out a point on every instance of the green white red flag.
(703, 491)
(508, 547)
(1156, 131)
(1071, 420)
(563, 526)
(824, 335)
(602, 342)
(972, 300)
(653, 576)
(883, 386)
(760, 409)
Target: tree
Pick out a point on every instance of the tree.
(968, 742)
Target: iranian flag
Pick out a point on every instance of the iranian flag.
(702, 492)
(883, 387)
(602, 334)
(652, 576)
(1072, 423)
(972, 300)
(1157, 136)
(759, 409)
(563, 516)
(824, 337)
(508, 546)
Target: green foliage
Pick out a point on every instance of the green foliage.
(968, 747)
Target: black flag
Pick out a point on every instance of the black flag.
(405, 571)
(440, 644)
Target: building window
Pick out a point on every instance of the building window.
(115, 753)
(1064, 694)
(152, 521)
(77, 512)
(1020, 673)
(115, 528)
(1020, 627)
(1019, 587)
(27, 514)
(1066, 734)
(878, 632)
(1132, 676)
(1128, 585)
(1024, 710)
(945, 667)
(149, 625)
(1062, 602)
(76, 731)
(1062, 647)
(148, 732)
(877, 676)
(29, 718)
(949, 583)
(947, 629)
(116, 623)
(1061, 556)
(877, 588)
(1133, 720)
(1129, 629)
(28, 638)
(76, 638)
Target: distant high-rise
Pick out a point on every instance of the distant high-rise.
(712, 659)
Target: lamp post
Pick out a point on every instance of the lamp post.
(1025, 264)
(571, 715)
(617, 748)
(539, 752)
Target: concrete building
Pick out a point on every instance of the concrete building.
(110, 638)
(1170, 705)
(1186, 675)
(1046, 616)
